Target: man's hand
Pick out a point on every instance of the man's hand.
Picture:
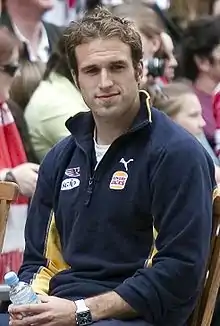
(52, 311)
(26, 176)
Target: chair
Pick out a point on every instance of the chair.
(203, 313)
(8, 193)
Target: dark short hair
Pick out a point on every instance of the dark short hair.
(200, 39)
(101, 23)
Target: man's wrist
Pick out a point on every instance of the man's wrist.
(83, 315)
(109, 305)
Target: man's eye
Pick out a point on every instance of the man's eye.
(92, 71)
(117, 67)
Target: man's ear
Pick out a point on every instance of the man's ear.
(139, 72)
(203, 64)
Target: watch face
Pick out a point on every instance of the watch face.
(84, 318)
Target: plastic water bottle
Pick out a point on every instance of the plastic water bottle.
(20, 293)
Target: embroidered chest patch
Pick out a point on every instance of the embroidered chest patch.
(118, 180)
(73, 172)
(70, 183)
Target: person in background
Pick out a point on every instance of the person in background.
(200, 63)
(26, 82)
(169, 58)
(55, 100)
(23, 86)
(24, 19)
(214, 7)
(13, 159)
(181, 104)
(149, 27)
(148, 24)
(156, 41)
(107, 190)
(216, 114)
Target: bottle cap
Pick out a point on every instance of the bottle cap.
(11, 278)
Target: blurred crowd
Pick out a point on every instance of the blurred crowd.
(38, 93)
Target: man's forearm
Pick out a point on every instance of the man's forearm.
(109, 305)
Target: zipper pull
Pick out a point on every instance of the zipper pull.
(89, 191)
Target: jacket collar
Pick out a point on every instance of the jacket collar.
(82, 125)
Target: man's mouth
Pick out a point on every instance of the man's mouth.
(106, 96)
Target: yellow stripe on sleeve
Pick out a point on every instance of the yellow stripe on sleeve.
(153, 251)
(55, 261)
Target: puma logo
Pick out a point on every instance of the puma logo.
(126, 163)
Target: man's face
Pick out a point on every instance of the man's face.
(170, 61)
(106, 77)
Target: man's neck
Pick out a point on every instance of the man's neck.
(27, 20)
(205, 84)
(108, 130)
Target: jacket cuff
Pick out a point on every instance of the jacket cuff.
(135, 300)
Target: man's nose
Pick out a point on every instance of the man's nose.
(173, 62)
(105, 80)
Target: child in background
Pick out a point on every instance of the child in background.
(180, 103)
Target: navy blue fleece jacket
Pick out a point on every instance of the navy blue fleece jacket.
(139, 224)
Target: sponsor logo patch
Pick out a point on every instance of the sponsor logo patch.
(70, 183)
(118, 180)
(73, 172)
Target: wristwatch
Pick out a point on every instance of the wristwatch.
(83, 314)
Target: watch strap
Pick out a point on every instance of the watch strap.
(81, 306)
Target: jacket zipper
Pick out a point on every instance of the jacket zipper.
(93, 176)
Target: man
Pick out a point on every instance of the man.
(170, 60)
(200, 63)
(24, 19)
(119, 227)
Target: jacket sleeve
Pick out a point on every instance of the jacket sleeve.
(182, 184)
(42, 255)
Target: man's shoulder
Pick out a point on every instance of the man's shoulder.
(170, 138)
(59, 151)
(175, 151)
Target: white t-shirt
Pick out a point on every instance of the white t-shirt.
(100, 151)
